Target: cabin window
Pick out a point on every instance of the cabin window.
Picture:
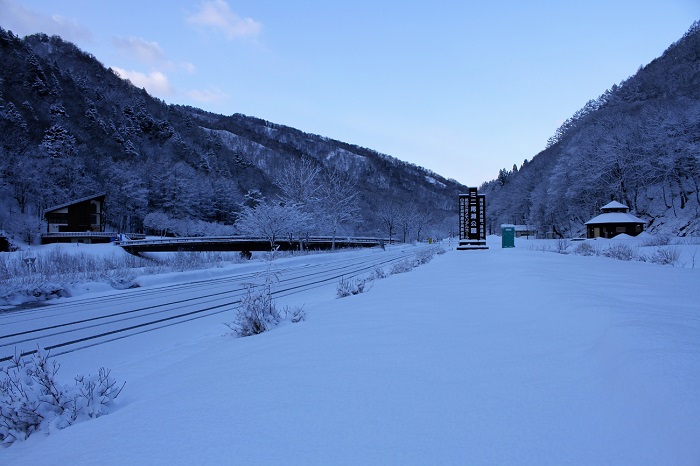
(93, 214)
(58, 218)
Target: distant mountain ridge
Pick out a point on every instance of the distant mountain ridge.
(638, 143)
(70, 127)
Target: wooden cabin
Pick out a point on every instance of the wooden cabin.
(615, 219)
(81, 220)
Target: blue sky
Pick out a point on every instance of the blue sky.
(463, 88)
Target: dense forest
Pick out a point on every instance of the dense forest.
(638, 143)
(69, 128)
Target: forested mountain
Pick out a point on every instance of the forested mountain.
(69, 127)
(638, 143)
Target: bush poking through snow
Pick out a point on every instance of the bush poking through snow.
(55, 271)
(378, 273)
(586, 249)
(422, 257)
(258, 312)
(665, 256)
(623, 252)
(562, 246)
(31, 399)
(352, 286)
(296, 315)
(401, 267)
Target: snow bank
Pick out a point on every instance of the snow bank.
(504, 356)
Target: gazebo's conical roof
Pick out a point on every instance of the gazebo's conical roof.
(613, 205)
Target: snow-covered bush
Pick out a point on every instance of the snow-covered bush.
(352, 286)
(31, 399)
(621, 251)
(562, 246)
(586, 249)
(378, 273)
(402, 267)
(295, 315)
(665, 256)
(423, 257)
(258, 313)
(55, 271)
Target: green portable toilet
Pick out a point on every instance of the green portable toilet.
(508, 236)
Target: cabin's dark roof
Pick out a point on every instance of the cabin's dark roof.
(76, 201)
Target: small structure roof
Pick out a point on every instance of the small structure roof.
(614, 205)
(614, 217)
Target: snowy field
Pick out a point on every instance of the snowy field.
(505, 356)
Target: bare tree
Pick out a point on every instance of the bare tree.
(389, 215)
(299, 183)
(339, 200)
(406, 219)
(421, 221)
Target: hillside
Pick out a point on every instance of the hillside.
(638, 143)
(70, 127)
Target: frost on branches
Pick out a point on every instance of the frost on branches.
(31, 399)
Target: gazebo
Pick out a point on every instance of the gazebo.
(614, 220)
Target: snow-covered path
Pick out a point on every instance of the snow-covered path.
(479, 357)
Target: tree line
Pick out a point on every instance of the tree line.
(71, 128)
(639, 144)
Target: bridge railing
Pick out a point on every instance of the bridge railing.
(243, 239)
(190, 239)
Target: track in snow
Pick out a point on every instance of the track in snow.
(82, 323)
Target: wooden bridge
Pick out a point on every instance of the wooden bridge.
(245, 244)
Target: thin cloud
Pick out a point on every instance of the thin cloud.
(23, 21)
(217, 15)
(144, 51)
(188, 67)
(155, 82)
(207, 95)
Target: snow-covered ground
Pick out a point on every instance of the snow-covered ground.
(503, 356)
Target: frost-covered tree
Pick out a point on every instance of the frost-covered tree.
(159, 222)
(300, 186)
(270, 220)
(127, 198)
(58, 142)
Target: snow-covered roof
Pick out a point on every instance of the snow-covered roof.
(614, 205)
(614, 217)
(76, 201)
(518, 227)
